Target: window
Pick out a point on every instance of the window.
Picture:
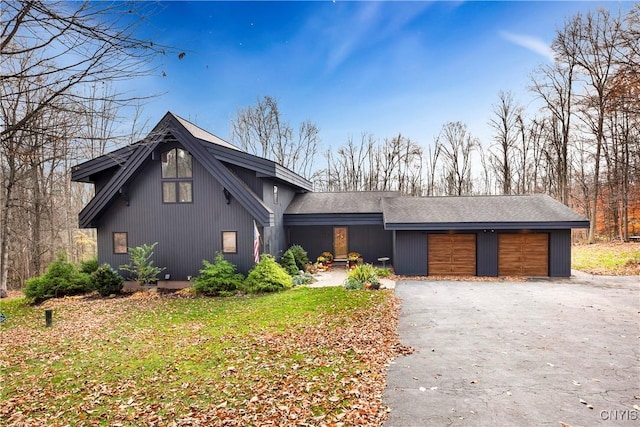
(275, 194)
(119, 243)
(229, 243)
(177, 175)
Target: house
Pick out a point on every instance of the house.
(196, 195)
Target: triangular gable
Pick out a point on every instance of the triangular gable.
(238, 189)
(119, 179)
(170, 124)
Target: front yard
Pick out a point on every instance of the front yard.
(301, 357)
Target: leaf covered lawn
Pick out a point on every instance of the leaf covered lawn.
(302, 357)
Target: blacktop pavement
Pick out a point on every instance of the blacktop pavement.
(542, 352)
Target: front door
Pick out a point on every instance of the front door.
(340, 248)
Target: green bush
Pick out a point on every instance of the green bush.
(301, 257)
(219, 278)
(353, 284)
(289, 263)
(89, 266)
(302, 279)
(61, 279)
(267, 276)
(141, 265)
(361, 275)
(383, 272)
(106, 281)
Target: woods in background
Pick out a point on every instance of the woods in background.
(59, 107)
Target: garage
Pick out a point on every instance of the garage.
(523, 254)
(452, 254)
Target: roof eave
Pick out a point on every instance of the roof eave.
(524, 225)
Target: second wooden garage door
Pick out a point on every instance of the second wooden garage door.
(452, 254)
(523, 254)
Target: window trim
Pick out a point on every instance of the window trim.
(126, 242)
(229, 233)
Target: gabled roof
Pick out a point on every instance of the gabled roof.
(206, 148)
(474, 212)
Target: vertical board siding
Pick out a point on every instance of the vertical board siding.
(314, 239)
(452, 254)
(186, 233)
(410, 257)
(487, 253)
(371, 241)
(560, 253)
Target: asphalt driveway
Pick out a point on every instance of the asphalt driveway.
(517, 354)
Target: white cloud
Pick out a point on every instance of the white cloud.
(528, 42)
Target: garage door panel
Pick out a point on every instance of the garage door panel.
(523, 254)
(452, 254)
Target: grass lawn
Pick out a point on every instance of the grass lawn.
(302, 357)
(615, 259)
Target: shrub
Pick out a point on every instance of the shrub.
(219, 278)
(300, 255)
(302, 279)
(353, 284)
(267, 276)
(141, 265)
(361, 275)
(383, 272)
(89, 266)
(289, 263)
(62, 278)
(106, 281)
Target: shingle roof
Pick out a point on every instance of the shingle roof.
(474, 211)
(339, 203)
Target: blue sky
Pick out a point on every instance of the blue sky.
(352, 67)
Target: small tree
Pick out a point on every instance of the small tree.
(219, 278)
(141, 265)
(267, 276)
(289, 263)
(300, 256)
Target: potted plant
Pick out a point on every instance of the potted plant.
(352, 258)
(328, 256)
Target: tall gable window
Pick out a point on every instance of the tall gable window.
(177, 176)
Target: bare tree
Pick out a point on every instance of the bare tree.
(50, 52)
(504, 123)
(456, 147)
(262, 131)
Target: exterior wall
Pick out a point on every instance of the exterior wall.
(410, 258)
(560, 253)
(274, 238)
(186, 233)
(371, 241)
(487, 253)
(411, 249)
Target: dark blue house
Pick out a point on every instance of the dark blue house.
(196, 195)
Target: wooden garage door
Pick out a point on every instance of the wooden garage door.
(523, 254)
(452, 254)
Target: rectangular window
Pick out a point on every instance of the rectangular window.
(275, 194)
(184, 191)
(169, 164)
(169, 192)
(229, 242)
(177, 192)
(119, 243)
